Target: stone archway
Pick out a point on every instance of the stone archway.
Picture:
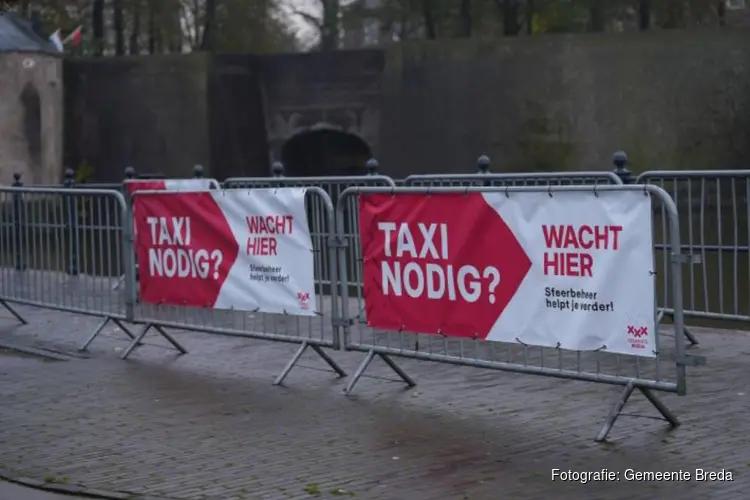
(32, 129)
(324, 151)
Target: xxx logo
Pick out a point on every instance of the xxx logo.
(303, 298)
(637, 332)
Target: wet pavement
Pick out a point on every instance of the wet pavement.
(9, 491)
(209, 425)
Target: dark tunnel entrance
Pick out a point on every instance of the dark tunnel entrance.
(324, 152)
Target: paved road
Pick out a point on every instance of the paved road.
(209, 425)
(10, 491)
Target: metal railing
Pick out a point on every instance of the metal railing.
(514, 179)
(666, 372)
(62, 249)
(715, 226)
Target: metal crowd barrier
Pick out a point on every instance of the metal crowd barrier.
(514, 179)
(315, 333)
(61, 249)
(715, 227)
(666, 372)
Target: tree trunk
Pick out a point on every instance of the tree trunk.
(25, 7)
(119, 25)
(644, 15)
(97, 25)
(675, 15)
(530, 11)
(151, 28)
(135, 47)
(596, 14)
(510, 8)
(428, 17)
(329, 30)
(36, 23)
(721, 12)
(464, 19)
(208, 26)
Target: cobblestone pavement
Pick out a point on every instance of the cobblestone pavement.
(10, 491)
(209, 425)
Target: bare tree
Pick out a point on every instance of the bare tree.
(151, 27)
(209, 24)
(97, 23)
(326, 24)
(119, 26)
(530, 11)
(428, 15)
(596, 15)
(510, 10)
(464, 19)
(135, 31)
(644, 15)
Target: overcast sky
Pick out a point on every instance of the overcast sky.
(306, 32)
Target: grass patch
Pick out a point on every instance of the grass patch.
(339, 492)
(312, 489)
(56, 480)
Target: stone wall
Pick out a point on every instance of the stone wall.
(31, 114)
(677, 99)
(671, 99)
(147, 112)
(236, 118)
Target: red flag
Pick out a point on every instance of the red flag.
(74, 37)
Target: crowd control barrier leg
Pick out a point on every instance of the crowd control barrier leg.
(12, 311)
(100, 327)
(297, 355)
(622, 400)
(685, 330)
(388, 361)
(138, 340)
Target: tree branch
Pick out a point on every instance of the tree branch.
(309, 18)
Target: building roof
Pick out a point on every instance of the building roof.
(17, 35)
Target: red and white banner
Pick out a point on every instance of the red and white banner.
(133, 185)
(571, 270)
(246, 250)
